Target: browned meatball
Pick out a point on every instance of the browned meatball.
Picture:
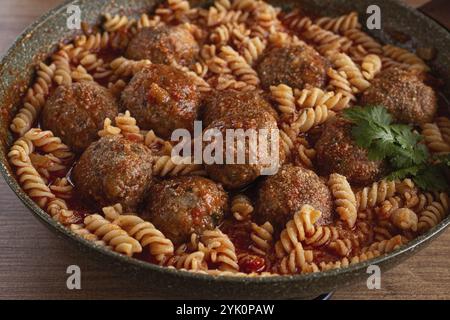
(185, 205)
(238, 175)
(338, 153)
(403, 94)
(280, 196)
(114, 170)
(231, 102)
(163, 44)
(162, 98)
(294, 66)
(76, 112)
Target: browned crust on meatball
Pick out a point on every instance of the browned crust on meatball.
(280, 196)
(338, 153)
(76, 112)
(404, 95)
(236, 176)
(295, 66)
(114, 170)
(181, 206)
(232, 102)
(164, 45)
(163, 99)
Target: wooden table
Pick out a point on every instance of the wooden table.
(33, 261)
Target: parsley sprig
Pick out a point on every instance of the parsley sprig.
(374, 130)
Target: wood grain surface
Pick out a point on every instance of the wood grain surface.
(33, 261)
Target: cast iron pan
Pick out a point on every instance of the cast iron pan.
(16, 72)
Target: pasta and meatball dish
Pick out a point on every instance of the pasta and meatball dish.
(92, 139)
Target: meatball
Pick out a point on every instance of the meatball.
(114, 170)
(295, 66)
(181, 206)
(163, 99)
(76, 112)
(239, 174)
(280, 196)
(338, 153)
(164, 45)
(231, 102)
(406, 97)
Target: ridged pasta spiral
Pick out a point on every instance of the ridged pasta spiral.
(404, 219)
(344, 63)
(340, 84)
(314, 97)
(296, 21)
(34, 100)
(311, 117)
(241, 207)
(298, 229)
(262, 238)
(220, 250)
(115, 23)
(84, 233)
(326, 40)
(341, 247)
(433, 213)
(405, 57)
(385, 246)
(373, 195)
(239, 66)
(370, 66)
(339, 24)
(168, 166)
(112, 235)
(30, 180)
(194, 261)
(144, 232)
(434, 139)
(61, 188)
(128, 127)
(123, 67)
(296, 261)
(306, 156)
(109, 129)
(344, 198)
(360, 38)
(443, 124)
(283, 95)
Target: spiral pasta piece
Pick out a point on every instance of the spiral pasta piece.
(239, 66)
(298, 229)
(311, 117)
(30, 180)
(175, 166)
(61, 188)
(443, 124)
(284, 96)
(34, 100)
(434, 139)
(296, 261)
(339, 24)
(373, 195)
(112, 235)
(370, 66)
(385, 246)
(405, 57)
(314, 97)
(221, 250)
(404, 219)
(306, 156)
(128, 127)
(325, 40)
(144, 232)
(108, 129)
(360, 38)
(345, 64)
(345, 199)
(123, 67)
(115, 23)
(296, 21)
(433, 213)
(241, 207)
(262, 238)
(48, 143)
(341, 247)
(84, 233)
